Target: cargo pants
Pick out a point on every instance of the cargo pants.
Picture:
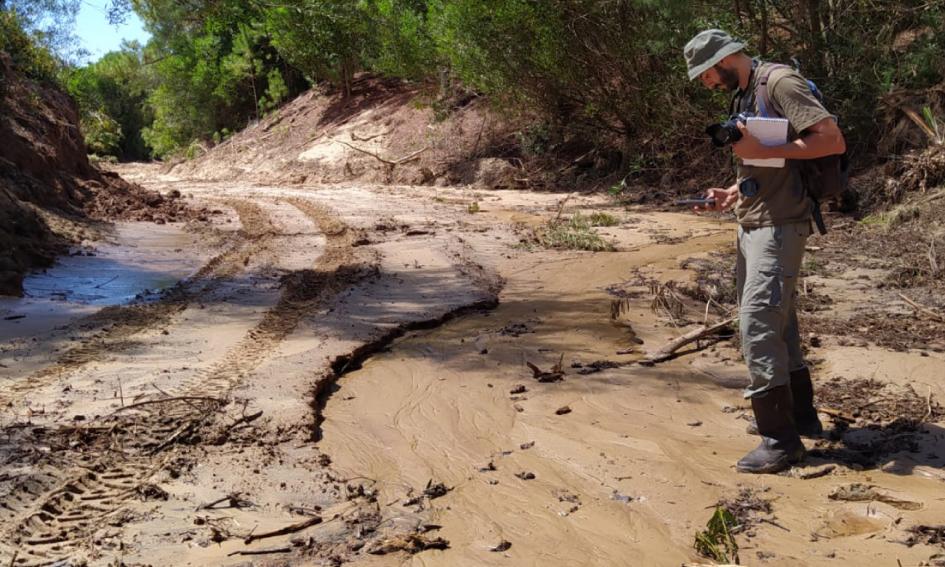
(769, 261)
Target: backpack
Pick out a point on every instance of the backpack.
(825, 177)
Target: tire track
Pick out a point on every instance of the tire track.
(303, 291)
(121, 322)
(51, 513)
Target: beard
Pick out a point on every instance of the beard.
(729, 78)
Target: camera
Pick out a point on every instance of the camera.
(725, 133)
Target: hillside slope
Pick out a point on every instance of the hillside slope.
(387, 131)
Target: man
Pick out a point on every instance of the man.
(774, 217)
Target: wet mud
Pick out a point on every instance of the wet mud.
(378, 376)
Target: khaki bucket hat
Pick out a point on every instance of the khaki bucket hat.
(708, 48)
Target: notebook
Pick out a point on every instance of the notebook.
(770, 132)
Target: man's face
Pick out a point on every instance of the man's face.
(720, 77)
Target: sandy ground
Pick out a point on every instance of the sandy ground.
(343, 380)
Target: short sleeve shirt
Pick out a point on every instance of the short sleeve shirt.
(781, 198)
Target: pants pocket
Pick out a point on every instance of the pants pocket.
(765, 289)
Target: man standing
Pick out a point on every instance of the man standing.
(774, 218)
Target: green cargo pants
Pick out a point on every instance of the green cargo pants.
(769, 261)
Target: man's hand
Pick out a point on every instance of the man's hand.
(724, 199)
(749, 147)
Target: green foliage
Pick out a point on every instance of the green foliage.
(402, 44)
(276, 91)
(598, 218)
(28, 54)
(102, 133)
(217, 67)
(610, 73)
(114, 90)
(325, 39)
(49, 24)
(574, 234)
(716, 541)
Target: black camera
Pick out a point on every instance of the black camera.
(725, 133)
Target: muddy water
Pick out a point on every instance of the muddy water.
(137, 259)
(618, 467)
(438, 406)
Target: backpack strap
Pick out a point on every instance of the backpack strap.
(761, 92)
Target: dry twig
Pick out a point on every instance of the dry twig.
(923, 310)
(391, 163)
(290, 529)
(668, 350)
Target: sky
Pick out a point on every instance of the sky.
(99, 37)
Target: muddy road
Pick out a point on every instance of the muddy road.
(342, 378)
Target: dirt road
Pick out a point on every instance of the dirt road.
(344, 380)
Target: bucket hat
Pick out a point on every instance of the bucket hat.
(708, 48)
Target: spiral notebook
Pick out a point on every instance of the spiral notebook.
(770, 132)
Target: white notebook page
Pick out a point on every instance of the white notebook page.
(770, 132)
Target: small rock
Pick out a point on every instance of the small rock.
(518, 389)
(694, 423)
(525, 475)
(563, 410)
(528, 445)
(502, 546)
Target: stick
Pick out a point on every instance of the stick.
(121, 394)
(171, 399)
(404, 159)
(286, 530)
(837, 414)
(561, 208)
(99, 286)
(234, 499)
(174, 436)
(924, 310)
(668, 350)
(928, 402)
(285, 549)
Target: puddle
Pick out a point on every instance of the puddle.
(137, 258)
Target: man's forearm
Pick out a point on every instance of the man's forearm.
(811, 146)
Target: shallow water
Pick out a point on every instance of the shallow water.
(137, 258)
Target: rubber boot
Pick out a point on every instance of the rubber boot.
(780, 446)
(805, 414)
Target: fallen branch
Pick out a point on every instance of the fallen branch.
(356, 138)
(837, 414)
(171, 399)
(668, 350)
(291, 529)
(285, 549)
(396, 162)
(924, 310)
(234, 502)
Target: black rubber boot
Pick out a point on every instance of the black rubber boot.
(780, 446)
(805, 414)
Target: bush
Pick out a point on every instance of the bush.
(28, 55)
(102, 133)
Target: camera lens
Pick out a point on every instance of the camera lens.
(748, 187)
